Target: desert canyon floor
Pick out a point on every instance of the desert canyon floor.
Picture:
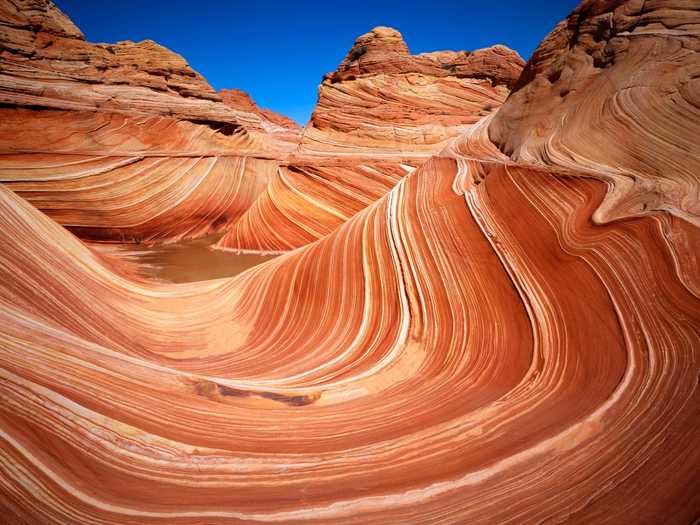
(467, 291)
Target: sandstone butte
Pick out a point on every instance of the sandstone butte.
(488, 309)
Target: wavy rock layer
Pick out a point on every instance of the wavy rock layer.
(63, 95)
(475, 346)
(138, 199)
(424, 366)
(381, 114)
(304, 202)
(383, 99)
(124, 142)
(615, 89)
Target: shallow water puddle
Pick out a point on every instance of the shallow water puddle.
(184, 261)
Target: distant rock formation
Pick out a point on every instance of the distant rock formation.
(383, 99)
(125, 142)
(127, 102)
(383, 51)
(237, 99)
(377, 118)
(126, 90)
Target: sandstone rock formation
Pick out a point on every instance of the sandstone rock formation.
(381, 114)
(482, 344)
(138, 199)
(238, 99)
(47, 65)
(627, 74)
(382, 99)
(306, 200)
(130, 104)
(124, 142)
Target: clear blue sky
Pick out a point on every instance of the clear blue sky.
(278, 50)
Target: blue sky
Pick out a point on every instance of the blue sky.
(278, 51)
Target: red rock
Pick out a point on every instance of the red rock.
(382, 99)
(382, 112)
(65, 99)
(68, 96)
(607, 91)
(383, 51)
(47, 64)
(238, 99)
(473, 346)
(37, 16)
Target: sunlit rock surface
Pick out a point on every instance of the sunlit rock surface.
(382, 99)
(238, 99)
(615, 90)
(500, 338)
(47, 66)
(124, 142)
(138, 199)
(379, 116)
(160, 137)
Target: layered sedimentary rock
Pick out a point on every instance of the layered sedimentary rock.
(239, 99)
(615, 89)
(476, 346)
(48, 65)
(127, 103)
(124, 142)
(382, 99)
(378, 116)
(138, 199)
(305, 201)
(429, 375)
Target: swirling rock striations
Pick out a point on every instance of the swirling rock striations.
(615, 89)
(139, 199)
(382, 113)
(305, 201)
(382, 99)
(472, 347)
(124, 142)
(139, 104)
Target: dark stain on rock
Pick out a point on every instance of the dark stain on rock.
(234, 392)
(217, 392)
(289, 400)
(225, 128)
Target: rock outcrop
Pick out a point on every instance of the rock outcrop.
(382, 99)
(481, 344)
(64, 100)
(383, 51)
(47, 66)
(124, 142)
(138, 199)
(307, 200)
(237, 99)
(382, 113)
(615, 89)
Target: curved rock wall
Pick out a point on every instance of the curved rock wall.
(615, 89)
(63, 95)
(474, 346)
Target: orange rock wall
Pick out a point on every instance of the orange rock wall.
(493, 337)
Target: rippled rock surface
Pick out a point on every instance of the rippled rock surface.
(504, 334)
(382, 99)
(378, 116)
(125, 142)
